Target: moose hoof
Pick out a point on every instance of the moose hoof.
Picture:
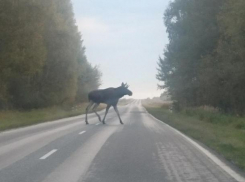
(122, 123)
(87, 123)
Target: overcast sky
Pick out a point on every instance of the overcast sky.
(124, 38)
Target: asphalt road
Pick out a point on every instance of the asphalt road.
(142, 150)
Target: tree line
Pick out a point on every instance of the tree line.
(42, 56)
(204, 61)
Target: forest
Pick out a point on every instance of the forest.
(203, 63)
(42, 56)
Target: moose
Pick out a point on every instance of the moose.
(109, 96)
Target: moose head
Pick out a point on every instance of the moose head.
(124, 89)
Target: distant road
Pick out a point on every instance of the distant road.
(142, 150)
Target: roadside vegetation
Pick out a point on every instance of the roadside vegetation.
(203, 64)
(221, 132)
(43, 66)
(202, 70)
(42, 56)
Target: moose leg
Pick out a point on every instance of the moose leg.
(87, 109)
(94, 109)
(106, 111)
(115, 108)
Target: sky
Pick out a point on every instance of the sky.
(125, 39)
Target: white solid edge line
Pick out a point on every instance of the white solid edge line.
(48, 154)
(82, 132)
(216, 160)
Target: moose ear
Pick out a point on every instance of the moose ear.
(122, 84)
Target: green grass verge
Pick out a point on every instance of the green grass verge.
(16, 119)
(222, 133)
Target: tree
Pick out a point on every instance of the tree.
(88, 79)
(42, 59)
(193, 34)
(226, 67)
(22, 50)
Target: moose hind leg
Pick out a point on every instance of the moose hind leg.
(94, 109)
(87, 109)
(115, 108)
(106, 111)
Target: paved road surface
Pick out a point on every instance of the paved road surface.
(142, 150)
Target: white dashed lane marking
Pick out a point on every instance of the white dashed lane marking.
(82, 132)
(48, 154)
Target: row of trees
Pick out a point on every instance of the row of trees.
(204, 64)
(42, 57)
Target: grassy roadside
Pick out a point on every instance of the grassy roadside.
(16, 119)
(222, 133)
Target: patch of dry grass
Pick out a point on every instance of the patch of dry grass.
(157, 104)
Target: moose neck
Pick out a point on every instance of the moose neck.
(119, 92)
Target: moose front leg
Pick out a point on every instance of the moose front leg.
(115, 108)
(106, 111)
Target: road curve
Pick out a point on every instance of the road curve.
(142, 150)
